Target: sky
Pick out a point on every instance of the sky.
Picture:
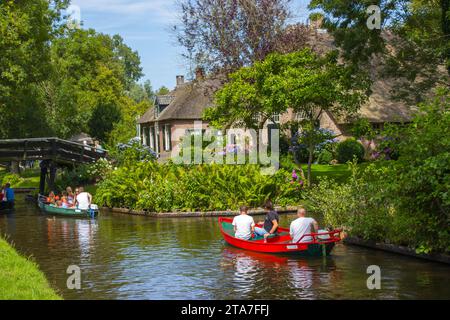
(145, 26)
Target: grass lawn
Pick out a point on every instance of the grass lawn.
(338, 172)
(21, 279)
(28, 179)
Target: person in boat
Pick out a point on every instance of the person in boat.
(303, 226)
(84, 199)
(70, 197)
(3, 203)
(270, 223)
(9, 196)
(51, 198)
(64, 201)
(243, 224)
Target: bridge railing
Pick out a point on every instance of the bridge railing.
(55, 149)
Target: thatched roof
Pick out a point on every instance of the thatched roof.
(149, 116)
(186, 102)
(380, 107)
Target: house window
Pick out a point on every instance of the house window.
(143, 137)
(167, 137)
(147, 136)
(301, 115)
(151, 138)
(276, 117)
(378, 126)
(257, 118)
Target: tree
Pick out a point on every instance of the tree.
(162, 91)
(229, 34)
(91, 74)
(304, 81)
(26, 31)
(414, 39)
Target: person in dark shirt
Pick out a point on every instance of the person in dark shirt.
(9, 195)
(270, 223)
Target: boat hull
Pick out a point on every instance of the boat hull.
(280, 244)
(51, 210)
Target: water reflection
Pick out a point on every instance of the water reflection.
(125, 257)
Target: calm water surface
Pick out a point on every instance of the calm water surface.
(126, 257)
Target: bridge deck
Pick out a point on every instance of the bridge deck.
(55, 149)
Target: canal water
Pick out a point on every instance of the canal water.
(131, 257)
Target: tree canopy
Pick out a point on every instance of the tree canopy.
(303, 81)
(56, 80)
(413, 41)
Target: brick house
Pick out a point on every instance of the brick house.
(175, 114)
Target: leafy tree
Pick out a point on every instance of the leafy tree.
(414, 40)
(91, 74)
(26, 31)
(162, 91)
(228, 34)
(308, 83)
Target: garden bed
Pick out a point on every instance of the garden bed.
(280, 210)
(442, 258)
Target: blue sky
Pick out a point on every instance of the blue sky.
(145, 26)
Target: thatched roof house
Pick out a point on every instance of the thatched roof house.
(174, 114)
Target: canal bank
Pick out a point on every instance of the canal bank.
(20, 278)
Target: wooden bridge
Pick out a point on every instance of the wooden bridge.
(52, 152)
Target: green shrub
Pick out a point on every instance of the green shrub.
(404, 202)
(12, 178)
(348, 149)
(169, 187)
(325, 157)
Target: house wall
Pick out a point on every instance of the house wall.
(177, 129)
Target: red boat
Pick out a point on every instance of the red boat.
(281, 243)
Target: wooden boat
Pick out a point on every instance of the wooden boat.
(68, 212)
(281, 243)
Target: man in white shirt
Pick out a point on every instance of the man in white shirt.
(243, 224)
(301, 226)
(84, 199)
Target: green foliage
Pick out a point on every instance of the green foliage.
(419, 40)
(78, 176)
(362, 128)
(26, 30)
(60, 81)
(325, 157)
(349, 149)
(11, 178)
(168, 187)
(407, 201)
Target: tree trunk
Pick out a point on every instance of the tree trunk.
(310, 159)
(15, 168)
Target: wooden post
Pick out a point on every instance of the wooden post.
(51, 181)
(43, 177)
